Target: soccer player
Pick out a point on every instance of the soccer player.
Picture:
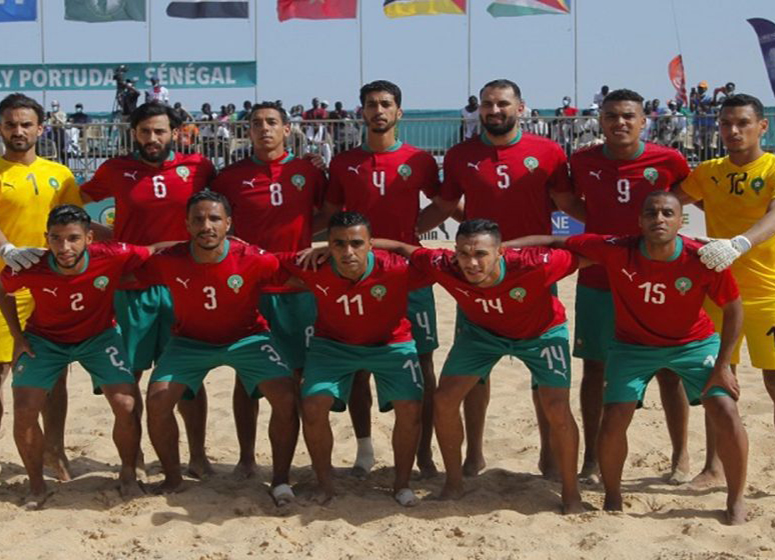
(514, 179)
(274, 196)
(30, 187)
(738, 196)
(382, 179)
(659, 285)
(150, 188)
(614, 179)
(73, 320)
(362, 298)
(506, 308)
(215, 284)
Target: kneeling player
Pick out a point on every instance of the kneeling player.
(73, 321)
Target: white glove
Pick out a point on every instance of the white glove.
(20, 258)
(719, 254)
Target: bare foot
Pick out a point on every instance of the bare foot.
(35, 501)
(549, 470)
(169, 486)
(244, 470)
(472, 466)
(451, 492)
(707, 479)
(736, 513)
(427, 470)
(200, 468)
(678, 477)
(140, 471)
(613, 503)
(573, 506)
(130, 489)
(324, 494)
(58, 463)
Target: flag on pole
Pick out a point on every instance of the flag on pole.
(403, 8)
(765, 30)
(18, 10)
(678, 78)
(317, 9)
(212, 9)
(512, 8)
(100, 11)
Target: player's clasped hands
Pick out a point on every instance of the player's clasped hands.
(20, 257)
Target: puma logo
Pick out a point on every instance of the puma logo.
(322, 289)
(629, 275)
(464, 292)
(249, 183)
(474, 165)
(354, 169)
(183, 282)
(596, 174)
(52, 291)
(132, 175)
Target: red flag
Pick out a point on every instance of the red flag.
(317, 9)
(678, 78)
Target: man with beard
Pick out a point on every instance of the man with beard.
(29, 187)
(382, 180)
(150, 188)
(512, 178)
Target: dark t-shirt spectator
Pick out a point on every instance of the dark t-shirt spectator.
(315, 114)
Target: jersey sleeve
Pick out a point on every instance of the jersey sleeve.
(220, 183)
(574, 177)
(99, 187)
(266, 265)
(431, 185)
(11, 282)
(335, 192)
(134, 256)
(423, 259)
(723, 289)
(69, 192)
(205, 171)
(692, 185)
(680, 167)
(418, 278)
(559, 180)
(594, 247)
(152, 271)
(451, 189)
(561, 263)
(320, 184)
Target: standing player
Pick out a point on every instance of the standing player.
(382, 180)
(150, 188)
(30, 187)
(514, 179)
(73, 321)
(361, 323)
(274, 196)
(215, 284)
(614, 179)
(506, 308)
(738, 196)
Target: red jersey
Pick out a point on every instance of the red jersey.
(614, 191)
(370, 312)
(150, 201)
(521, 304)
(657, 303)
(74, 308)
(507, 184)
(216, 303)
(385, 187)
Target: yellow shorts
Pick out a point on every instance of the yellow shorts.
(758, 330)
(24, 306)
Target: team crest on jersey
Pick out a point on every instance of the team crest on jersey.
(379, 291)
(651, 175)
(183, 172)
(683, 285)
(405, 171)
(298, 181)
(235, 282)
(518, 294)
(53, 183)
(101, 282)
(531, 163)
(757, 184)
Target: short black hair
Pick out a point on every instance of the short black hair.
(660, 194)
(154, 109)
(381, 85)
(348, 220)
(744, 100)
(623, 95)
(479, 227)
(68, 214)
(209, 196)
(269, 105)
(502, 83)
(21, 101)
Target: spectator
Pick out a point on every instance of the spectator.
(324, 107)
(56, 117)
(341, 127)
(470, 114)
(599, 96)
(704, 122)
(565, 127)
(721, 93)
(567, 110)
(79, 117)
(55, 132)
(537, 125)
(317, 112)
(245, 113)
(73, 134)
(183, 114)
(127, 100)
(157, 92)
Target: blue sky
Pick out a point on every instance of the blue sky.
(622, 43)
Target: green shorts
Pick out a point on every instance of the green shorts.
(146, 319)
(102, 356)
(187, 361)
(630, 367)
(422, 314)
(594, 330)
(292, 320)
(477, 350)
(331, 366)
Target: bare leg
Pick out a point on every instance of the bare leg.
(769, 383)
(546, 457)
(126, 435)
(612, 450)
(27, 405)
(676, 408)
(5, 369)
(360, 413)
(475, 411)
(54, 414)
(424, 452)
(163, 430)
(283, 426)
(406, 437)
(245, 419)
(320, 441)
(194, 413)
(591, 412)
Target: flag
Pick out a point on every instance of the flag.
(317, 9)
(403, 8)
(99, 11)
(511, 8)
(765, 30)
(216, 9)
(18, 10)
(678, 78)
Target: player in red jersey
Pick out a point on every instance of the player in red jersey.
(362, 299)
(73, 320)
(614, 179)
(215, 284)
(150, 188)
(382, 179)
(659, 285)
(274, 196)
(514, 179)
(507, 308)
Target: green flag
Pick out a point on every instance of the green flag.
(99, 11)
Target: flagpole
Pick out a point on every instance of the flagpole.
(42, 48)
(255, 46)
(148, 11)
(469, 10)
(576, 52)
(360, 40)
